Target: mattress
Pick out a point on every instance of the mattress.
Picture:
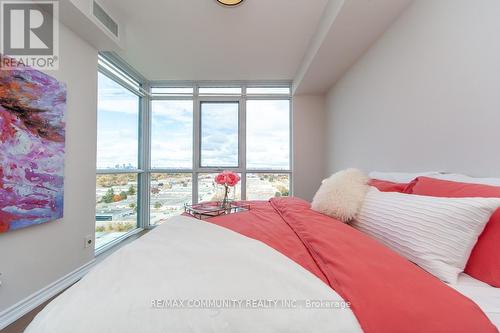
(484, 295)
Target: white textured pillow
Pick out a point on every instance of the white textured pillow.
(341, 195)
(437, 234)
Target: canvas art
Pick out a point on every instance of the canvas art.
(32, 135)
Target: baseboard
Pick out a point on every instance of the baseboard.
(26, 305)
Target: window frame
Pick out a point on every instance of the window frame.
(143, 89)
(242, 99)
(218, 100)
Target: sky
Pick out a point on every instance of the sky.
(219, 134)
(117, 125)
(172, 134)
(268, 134)
(268, 131)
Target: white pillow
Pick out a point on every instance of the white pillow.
(456, 177)
(341, 195)
(400, 177)
(437, 234)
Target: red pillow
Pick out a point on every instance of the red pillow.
(484, 261)
(387, 186)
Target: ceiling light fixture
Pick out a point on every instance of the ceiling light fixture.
(230, 3)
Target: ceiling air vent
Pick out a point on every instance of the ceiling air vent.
(104, 18)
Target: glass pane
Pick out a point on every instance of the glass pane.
(116, 206)
(219, 134)
(117, 126)
(268, 134)
(208, 190)
(262, 186)
(169, 193)
(220, 91)
(269, 91)
(171, 91)
(172, 134)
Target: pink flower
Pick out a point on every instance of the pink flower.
(227, 178)
(221, 179)
(232, 178)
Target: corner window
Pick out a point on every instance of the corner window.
(160, 149)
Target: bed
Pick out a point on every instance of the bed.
(279, 267)
(484, 295)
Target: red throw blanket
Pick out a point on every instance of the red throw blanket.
(387, 292)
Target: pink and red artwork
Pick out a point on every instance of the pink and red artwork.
(32, 133)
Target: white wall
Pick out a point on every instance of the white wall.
(426, 96)
(308, 145)
(34, 257)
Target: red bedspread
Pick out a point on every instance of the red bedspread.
(387, 293)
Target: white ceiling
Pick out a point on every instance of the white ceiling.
(201, 40)
(312, 42)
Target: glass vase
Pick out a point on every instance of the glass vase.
(226, 203)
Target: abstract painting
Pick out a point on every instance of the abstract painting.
(32, 135)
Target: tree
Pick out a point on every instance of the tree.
(284, 191)
(109, 196)
(123, 195)
(131, 190)
(158, 205)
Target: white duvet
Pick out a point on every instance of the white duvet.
(484, 295)
(158, 282)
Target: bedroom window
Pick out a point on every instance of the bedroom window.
(119, 171)
(198, 130)
(161, 143)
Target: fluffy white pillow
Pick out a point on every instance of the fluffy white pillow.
(437, 234)
(341, 195)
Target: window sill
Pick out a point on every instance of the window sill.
(108, 246)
